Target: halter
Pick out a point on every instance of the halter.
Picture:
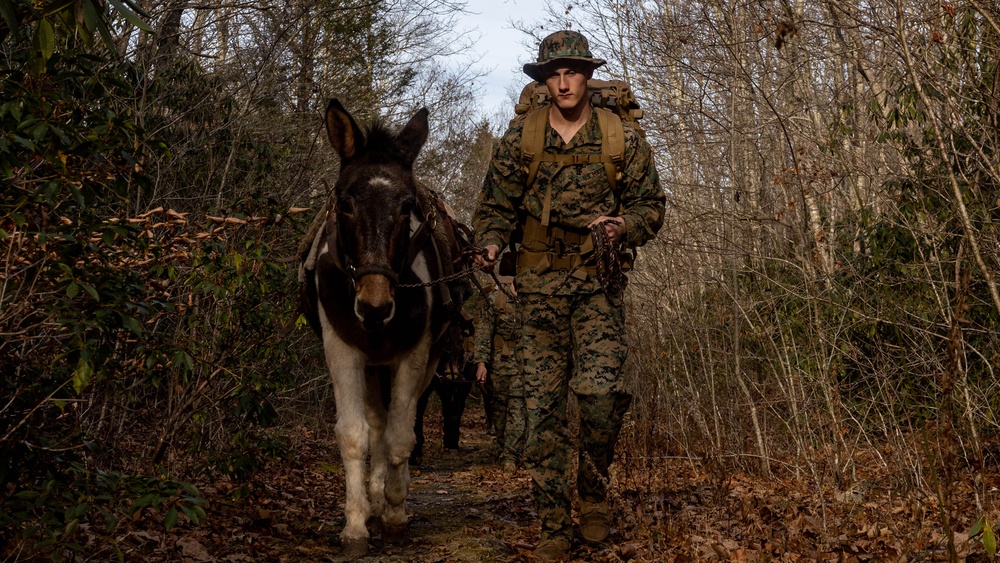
(344, 263)
(358, 273)
(417, 239)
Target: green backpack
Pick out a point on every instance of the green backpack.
(614, 103)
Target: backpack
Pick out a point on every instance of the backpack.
(613, 102)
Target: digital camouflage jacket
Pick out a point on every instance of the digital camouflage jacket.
(580, 194)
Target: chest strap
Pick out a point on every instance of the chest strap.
(533, 151)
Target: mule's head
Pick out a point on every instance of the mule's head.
(376, 207)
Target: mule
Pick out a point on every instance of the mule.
(367, 282)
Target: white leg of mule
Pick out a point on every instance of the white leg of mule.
(346, 367)
(379, 461)
(411, 380)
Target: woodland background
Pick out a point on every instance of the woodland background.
(820, 307)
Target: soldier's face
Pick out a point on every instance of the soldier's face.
(567, 87)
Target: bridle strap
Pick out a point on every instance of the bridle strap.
(344, 264)
(377, 269)
(420, 236)
(417, 240)
(330, 229)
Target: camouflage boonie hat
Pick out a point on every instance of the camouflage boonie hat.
(561, 45)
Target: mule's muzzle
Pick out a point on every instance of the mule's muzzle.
(374, 301)
(374, 318)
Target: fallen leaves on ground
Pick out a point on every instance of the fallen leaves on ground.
(463, 508)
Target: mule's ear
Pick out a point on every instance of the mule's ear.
(413, 135)
(344, 133)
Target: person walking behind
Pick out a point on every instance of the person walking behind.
(573, 334)
(498, 358)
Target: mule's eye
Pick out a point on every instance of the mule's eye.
(406, 209)
(346, 206)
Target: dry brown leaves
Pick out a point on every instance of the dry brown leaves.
(463, 509)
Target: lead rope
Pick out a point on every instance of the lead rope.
(609, 268)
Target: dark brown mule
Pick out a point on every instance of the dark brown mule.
(368, 287)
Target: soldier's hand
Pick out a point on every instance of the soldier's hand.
(613, 226)
(481, 373)
(488, 257)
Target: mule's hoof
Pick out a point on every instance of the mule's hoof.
(354, 548)
(374, 524)
(394, 533)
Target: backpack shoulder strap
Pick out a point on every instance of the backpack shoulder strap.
(533, 147)
(612, 144)
(533, 140)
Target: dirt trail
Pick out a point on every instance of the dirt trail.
(462, 507)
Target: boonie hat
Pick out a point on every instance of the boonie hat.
(561, 45)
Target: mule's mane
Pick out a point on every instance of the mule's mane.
(380, 142)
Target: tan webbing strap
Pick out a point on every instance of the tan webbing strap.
(612, 144)
(533, 141)
(547, 248)
(542, 262)
(547, 205)
(564, 160)
(535, 236)
(533, 150)
(572, 158)
(538, 237)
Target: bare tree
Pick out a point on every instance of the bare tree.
(830, 180)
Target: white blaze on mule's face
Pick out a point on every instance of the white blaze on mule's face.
(375, 184)
(373, 291)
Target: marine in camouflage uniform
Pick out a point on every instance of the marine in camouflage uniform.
(573, 338)
(497, 352)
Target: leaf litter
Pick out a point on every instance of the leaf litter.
(463, 509)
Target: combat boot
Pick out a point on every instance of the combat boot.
(551, 549)
(509, 468)
(595, 521)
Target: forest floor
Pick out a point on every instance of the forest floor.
(462, 508)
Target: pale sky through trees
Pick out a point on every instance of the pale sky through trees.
(500, 45)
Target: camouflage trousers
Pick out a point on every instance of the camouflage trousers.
(509, 409)
(571, 343)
